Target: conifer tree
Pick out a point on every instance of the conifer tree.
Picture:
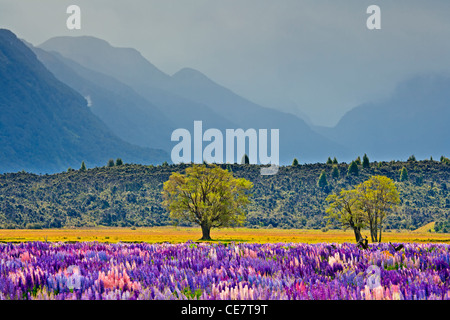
(335, 173)
(322, 182)
(366, 162)
(353, 169)
(403, 174)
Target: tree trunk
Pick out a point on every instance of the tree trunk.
(205, 232)
(358, 235)
(356, 230)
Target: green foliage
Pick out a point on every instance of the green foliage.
(377, 198)
(358, 160)
(445, 160)
(119, 162)
(335, 172)
(404, 174)
(366, 162)
(412, 158)
(83, 166)
(442, 225)
(366, 205)
(130, 195)
(344, 207)
(329, 161)
(353, 169)
(335, 161)
(110, 163)
(245, 159)
(295, 162)
(322, 181)
(208, 196)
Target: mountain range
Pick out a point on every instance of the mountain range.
(45, 125)
(414, 120)
(189, 95)
(74, 99)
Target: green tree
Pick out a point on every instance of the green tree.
(366, 205)
(366, 162)
(335, 172)
(245, 159)
(295, 162)
(403, 174)
(208, 196)
(119, 162)
(412, 158)
(378, 197)
(353, 169)
(322, 181)
(358, 160)
(445, 160)
(110, 163)
(83, 166)
(335, 161)
(344, 207)
(329, 161)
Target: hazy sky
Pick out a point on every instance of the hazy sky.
(313, 57)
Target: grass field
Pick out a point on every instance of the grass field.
(181, 234)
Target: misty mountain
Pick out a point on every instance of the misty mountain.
(131, 68)
(127, 114)
(46, 126)
(189, 95)
(413, 120)
(296, 137)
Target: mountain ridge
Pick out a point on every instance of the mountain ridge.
(203, 99)
(45, 125)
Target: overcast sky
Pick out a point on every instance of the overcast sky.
(313, 57)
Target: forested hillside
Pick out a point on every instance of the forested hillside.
(130, 195)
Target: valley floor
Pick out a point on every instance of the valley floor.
(183, 234)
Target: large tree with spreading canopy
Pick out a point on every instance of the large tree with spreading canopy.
(207, 195)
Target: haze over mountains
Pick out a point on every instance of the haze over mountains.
(46, 126)
(87, 100)
(413, 121)
(189, 95)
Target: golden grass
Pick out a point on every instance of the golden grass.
(182, 234)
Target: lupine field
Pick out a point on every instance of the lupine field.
(92, 270)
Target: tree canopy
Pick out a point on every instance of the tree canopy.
(345, 208)
(366, 205)
(208, 196)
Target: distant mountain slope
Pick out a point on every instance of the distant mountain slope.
(189, 95)
(131, 68)
(45, 126)
(414, 120)
(127, 114)
(296, 137)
